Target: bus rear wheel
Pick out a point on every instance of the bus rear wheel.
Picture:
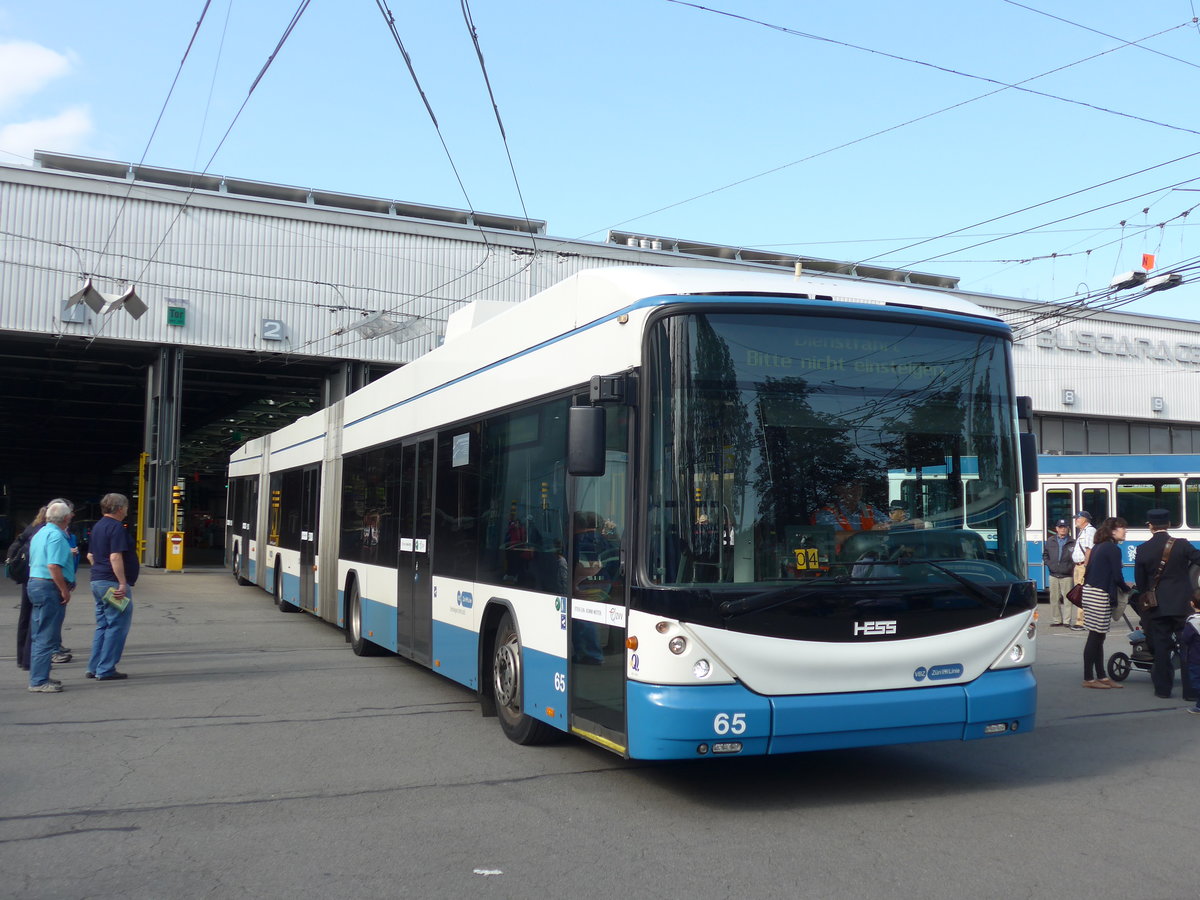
(354, 632)
(283, 605)
(237, 566)
(508, 689)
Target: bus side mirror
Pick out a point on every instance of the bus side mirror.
(1024, 409)
(585, 440)
(1029, 463)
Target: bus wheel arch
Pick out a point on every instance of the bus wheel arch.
(506, 680)
(488, 626)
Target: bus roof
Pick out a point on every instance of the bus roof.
(615, 287)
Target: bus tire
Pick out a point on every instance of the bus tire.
(283, 605)
(508, 689)
(354, 632)
(237, 566)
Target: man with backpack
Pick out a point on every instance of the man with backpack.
(18, 570)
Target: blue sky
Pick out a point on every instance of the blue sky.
(640, 114)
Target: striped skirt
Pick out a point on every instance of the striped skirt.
(1097, 610)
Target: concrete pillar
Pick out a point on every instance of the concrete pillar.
(164, 400)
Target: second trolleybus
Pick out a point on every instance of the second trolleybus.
(604, 510)
(1123, 485)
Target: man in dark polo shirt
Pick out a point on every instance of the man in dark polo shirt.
(115, 566)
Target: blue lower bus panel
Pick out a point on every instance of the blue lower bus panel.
(670, 722)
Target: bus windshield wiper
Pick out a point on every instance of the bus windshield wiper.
(765, 600)
(975, 590)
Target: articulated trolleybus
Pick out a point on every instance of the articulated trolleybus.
(646, 507)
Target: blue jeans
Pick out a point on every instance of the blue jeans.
(44, 626)
(112, 627)
(1193, 670)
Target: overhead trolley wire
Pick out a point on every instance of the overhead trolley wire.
(470, 22)
(1033, 206)
(153, 131)
(446, 303)
(1068, 254)
(1042, 12)
(1055, 221)
(865, 137)
(212, 83)
(258, 78)
(390, 19)
(1087, 306)
(949, 71)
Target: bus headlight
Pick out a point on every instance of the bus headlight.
(1017, 653)
(677, 645)
(702, 668)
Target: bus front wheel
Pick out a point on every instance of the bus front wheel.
(508, 688)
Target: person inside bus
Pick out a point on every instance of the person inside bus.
(900, 518)
(848, 512)
(1101, 581)
(597, 568)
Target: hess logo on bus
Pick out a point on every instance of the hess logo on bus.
(872, 629)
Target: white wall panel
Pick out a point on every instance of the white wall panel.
(1108, 366)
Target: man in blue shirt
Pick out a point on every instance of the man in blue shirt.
(50, 558)
(115, 566)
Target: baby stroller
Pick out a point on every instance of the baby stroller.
(1139, 657)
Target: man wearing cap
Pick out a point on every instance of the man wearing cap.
(1060, 573)
(1174, 592)
(1085, 537)
(898, 519)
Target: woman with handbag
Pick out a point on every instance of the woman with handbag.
(1101, 581)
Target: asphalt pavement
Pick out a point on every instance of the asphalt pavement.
(251, 754)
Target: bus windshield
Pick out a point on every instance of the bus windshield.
(830, 450)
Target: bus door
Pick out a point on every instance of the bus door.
(414, 588)
(1059, 502)
(310, 512)
(599, 599)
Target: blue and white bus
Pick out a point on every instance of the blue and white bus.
(600, 509)
(1127, 486)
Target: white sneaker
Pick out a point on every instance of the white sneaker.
(50, 687)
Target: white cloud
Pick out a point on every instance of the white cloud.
(65, 133)
(26, 68)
